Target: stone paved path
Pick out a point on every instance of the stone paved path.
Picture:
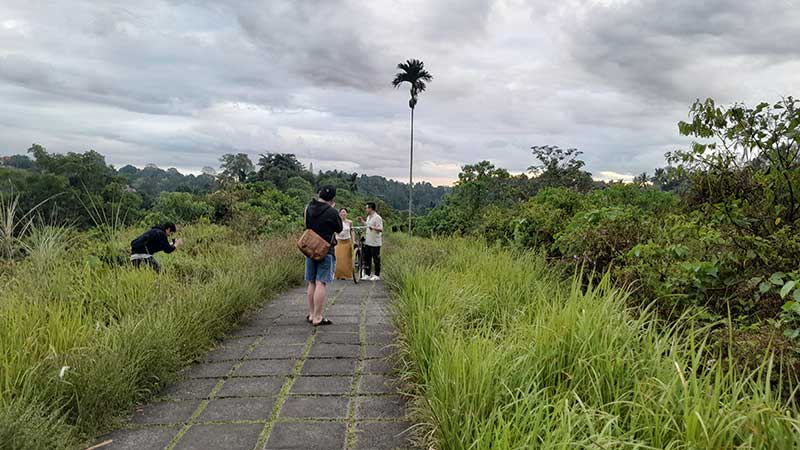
(279, 383)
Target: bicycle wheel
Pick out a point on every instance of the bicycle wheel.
(357, 266)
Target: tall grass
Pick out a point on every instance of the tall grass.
(504, 355)
(82, 341)
(14, 223)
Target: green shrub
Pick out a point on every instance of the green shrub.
(564, 199)
(597, 237)
(179, 207)
(647, 199)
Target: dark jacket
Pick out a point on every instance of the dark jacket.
(152, 241)
(323, 220)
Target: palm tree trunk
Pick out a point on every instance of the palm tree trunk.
(411, 176)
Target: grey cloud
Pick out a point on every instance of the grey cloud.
(455, 19)
(179, 83)
(679, 50)
(319, 39)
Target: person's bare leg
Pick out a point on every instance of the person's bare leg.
(311, 289)
(320, 295)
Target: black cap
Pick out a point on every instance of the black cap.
(327, 193)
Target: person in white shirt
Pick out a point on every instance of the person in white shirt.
(372, 243)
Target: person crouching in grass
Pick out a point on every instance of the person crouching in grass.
(152, 241)
(322, 218)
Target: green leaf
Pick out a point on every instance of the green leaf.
(796, 295)
(791, 334)
(787, 288)
(777, 278)
(764, 287)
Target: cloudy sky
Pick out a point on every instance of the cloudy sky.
(178, 83)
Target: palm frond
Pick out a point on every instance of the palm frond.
(412, 72)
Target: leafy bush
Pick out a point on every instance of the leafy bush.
(596, 237)
(648, 199)
(180, 207)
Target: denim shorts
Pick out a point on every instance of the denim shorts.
(320, 271)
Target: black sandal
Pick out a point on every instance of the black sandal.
(324, 321)
(308, 319)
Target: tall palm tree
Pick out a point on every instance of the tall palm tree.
(412, 72)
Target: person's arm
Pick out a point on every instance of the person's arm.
(338, 225)
(166, 246)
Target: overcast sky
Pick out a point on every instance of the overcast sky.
(178, 83)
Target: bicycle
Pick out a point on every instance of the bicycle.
(358, 257)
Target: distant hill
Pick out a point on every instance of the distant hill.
(395, 193)
(151, 181)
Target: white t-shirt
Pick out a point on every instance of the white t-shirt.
(374, 238)
(345, 234)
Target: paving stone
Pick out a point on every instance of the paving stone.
(208, 370)
(276, 352)
(383, 436)
(327, 407)
(246, 331)
(381, 407)
(344, 301)
(163, 413)
(329, 366)
(378, 320)
(284, 339)
(263, 367)
(338, 328)
(322, 385)
(382, 365)
(379, 329)
(227, 352)
(252, 320)
(219, 437)
(267, 315)
(323, 350)
(377, 384)
(251, 387)
(291, 320)
(232, 409)
(302, 327)
(307, 436)
(156, 438)
(380, 338)
(348, 319)
(190, 389)
(341, 309)
(378, 351)
(245, 340)
(338, 338)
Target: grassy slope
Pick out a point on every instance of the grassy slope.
(504, 355)
(122, 332)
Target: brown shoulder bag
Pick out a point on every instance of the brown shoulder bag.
(312, 244)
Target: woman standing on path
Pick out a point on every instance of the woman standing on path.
(344, 249)
(321, 217)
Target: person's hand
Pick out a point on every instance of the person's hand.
(178, 243)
